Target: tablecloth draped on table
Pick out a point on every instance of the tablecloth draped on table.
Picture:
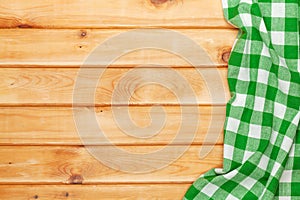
(261, 131)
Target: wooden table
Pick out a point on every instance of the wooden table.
(43, 45)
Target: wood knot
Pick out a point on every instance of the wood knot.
(225, 54)
(83, 33)
(158, 2)
(162, 4)
(67, 194)
(24, 26)
(75, 179)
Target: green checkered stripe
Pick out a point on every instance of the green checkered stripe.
(261, 131)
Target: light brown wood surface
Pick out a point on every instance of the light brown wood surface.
(65, 48)
(56, 86)
(43, 46)
(111, 13)
(94, 192)
(56, 126)
(67, 165)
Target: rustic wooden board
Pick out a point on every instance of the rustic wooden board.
(44, 43)
(65, 48)
(55, 125)
(94, 192)
(54, 86)
(111, 13)
(44, 165)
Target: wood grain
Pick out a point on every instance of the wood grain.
(74, 165)
(44, 43)
(111, 13)
(50, 86)
(94, 192)
(56, 126)
(70, 48)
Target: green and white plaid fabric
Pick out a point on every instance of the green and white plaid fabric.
(262, 135)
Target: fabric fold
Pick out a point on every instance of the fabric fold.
(261, 130)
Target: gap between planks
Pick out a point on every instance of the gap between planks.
(230, 27)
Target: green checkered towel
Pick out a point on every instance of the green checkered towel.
(262, 136)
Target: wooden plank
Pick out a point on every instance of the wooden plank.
(111, 13)
(74, 165)
(56, 126)
(65, 48)
(94, 192)
(54, 86)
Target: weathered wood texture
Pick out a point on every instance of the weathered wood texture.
(56, 86)
(44, 165)
(111, 13)
(94, 192)
(56, 126)
(65, 48)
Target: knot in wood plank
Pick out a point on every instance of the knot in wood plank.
(75, 179)
(24, 26)
(158, 2)
(83, 33)
(225, 54)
